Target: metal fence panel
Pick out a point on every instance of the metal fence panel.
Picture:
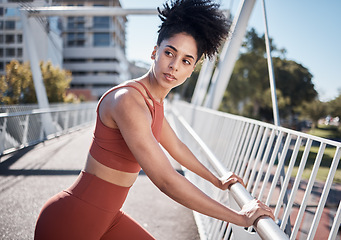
(272, 161)
(21, 125)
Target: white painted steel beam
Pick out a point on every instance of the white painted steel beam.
(36, 73)
(203, 81)
(271, 71)
(88, 11)
(229, 54)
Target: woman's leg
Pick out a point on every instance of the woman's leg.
(67, 217)
(84, 211)
(126, 228)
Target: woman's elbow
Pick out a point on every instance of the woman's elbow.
(167, 183)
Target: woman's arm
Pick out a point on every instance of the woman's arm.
(180, 152)
(133, 119)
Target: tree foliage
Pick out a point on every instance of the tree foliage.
(17, 85)
(313, 110)
(334, 106)
(248, 92)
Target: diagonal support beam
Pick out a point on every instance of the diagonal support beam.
(36, 73)
(228, 56)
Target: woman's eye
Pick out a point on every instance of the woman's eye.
(168, 53)
(187, 62)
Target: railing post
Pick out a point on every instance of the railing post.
(2, 135)
(25, 130)
(336, 224)
(66, 121)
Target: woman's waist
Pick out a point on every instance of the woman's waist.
(98, 192)
(117, 177)
(118, 156)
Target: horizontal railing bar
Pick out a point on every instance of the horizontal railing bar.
(278, 128)
(214, 161)
(43, 110)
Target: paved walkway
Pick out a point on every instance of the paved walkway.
(31, 176)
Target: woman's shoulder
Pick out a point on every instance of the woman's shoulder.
(122, 101)
(126, 93)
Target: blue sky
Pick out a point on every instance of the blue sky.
(310, 31)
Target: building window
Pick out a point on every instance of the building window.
(1, 52)
(2, 67)
(1, 25)
(19, 53)
(10, 12)
(75, 39)
(9, 25)
(75, 23)
(75, 60)
(101, 22)
(10, 52)
(9, 38)
(19, 38)
(101, 39)
(79, 73)
(1, 11)
(1, 38)
(96, 60)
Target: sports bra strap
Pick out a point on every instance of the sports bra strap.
(147, 91)
(115, 88)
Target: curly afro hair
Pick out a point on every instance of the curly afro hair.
(201, 19)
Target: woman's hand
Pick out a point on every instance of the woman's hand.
(226, 182)
(253, 210)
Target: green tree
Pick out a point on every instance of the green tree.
(295, 82)
(313, 110)
(248, 92)
(56, 81)
(334, 106)
(17, 85)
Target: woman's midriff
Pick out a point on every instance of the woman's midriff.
(117, 177)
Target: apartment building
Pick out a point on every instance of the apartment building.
(93, 47)
(11, 35)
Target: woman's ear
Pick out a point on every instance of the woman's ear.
(154, 53)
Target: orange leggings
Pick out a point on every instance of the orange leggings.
(89, 209)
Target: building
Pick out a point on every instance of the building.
(11, 36)
(93, 47)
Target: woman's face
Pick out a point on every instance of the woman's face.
(175, 60)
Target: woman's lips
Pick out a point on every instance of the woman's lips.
(169, 77)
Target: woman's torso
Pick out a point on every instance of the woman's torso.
(126, 174)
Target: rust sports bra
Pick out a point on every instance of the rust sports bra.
(108, 146)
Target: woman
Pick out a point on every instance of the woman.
(129, 127)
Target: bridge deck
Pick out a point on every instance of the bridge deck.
(31, 176)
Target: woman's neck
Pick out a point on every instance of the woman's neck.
(158, 92)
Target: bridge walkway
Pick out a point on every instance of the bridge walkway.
(32, 175)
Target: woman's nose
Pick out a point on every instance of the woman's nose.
(174, 64)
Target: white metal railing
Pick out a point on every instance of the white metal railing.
(271, 160)
(21, 125)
